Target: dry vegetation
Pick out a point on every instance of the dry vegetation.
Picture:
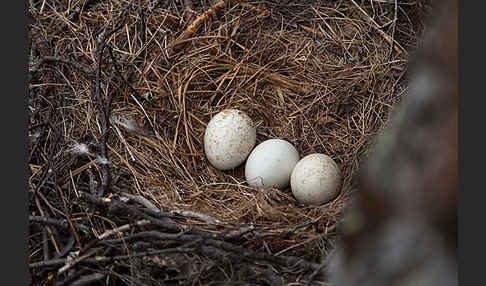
(121, 92)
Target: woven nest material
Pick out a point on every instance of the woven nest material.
(322, 76)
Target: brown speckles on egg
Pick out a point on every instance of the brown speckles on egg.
(315, 179)
(229, 138)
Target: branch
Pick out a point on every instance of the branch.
(393, 30)
(142, 22)
(194, 26)
(116, 206)
(105, 259)
(104, 110)
(241, 252)
(88, 279)
(185, 234)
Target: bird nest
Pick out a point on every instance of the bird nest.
(121, 93)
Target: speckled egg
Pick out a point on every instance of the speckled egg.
(229, 138)
(315, 179)
(271, 163)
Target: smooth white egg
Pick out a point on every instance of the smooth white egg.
(271, 163)
(315, 179)
(229, 138)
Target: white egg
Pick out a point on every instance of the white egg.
(271, 163)
(229, 138)
(315, 179)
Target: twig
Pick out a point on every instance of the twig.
(74, 14)
(295, 228)
(117, 71)
(92, 181)
(318, 33)
(314, 274)
(71, 262)
(71, 278)
(239, 233)
(141, 200)
(100, 259)
(393, 30)
(134, 91)
(186, 235)
(207, 219)
(123, 228)
(62, 223)
(284, 234)
(86, 69)
(53, 146)
(142, 22)
(194, 26)
(69, 245)
(45, 246)
(47, 228)
(88, 279)
(241, 252)
(104, 110)
(116, 206)
(398, 48)
(188, 11)
(47, 220)
(47, 263)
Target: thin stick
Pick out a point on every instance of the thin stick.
(313, 275)
(122, 228)
(206, 218)
(398, 48)
(393, 30)
(194, 26)
(188, 11)
(71, 263)
(100, 259)
(143, 201)
(104, 109)
(88, 279)
(142, 22)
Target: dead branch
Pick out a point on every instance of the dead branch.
(46, 220)
(141, 33)
(119, 207)
(197, 215)
(105, 259)
(189, 235)
(123, 228)
(315, 273)
(194, 26)
(71, 262)
(103, 108)
(241, 252)
(141, 200)
(72, 277)
(88, 279)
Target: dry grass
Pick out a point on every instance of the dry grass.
(319, 75)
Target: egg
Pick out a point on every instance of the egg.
(229, 138)
(271, 163)
(315, 179)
